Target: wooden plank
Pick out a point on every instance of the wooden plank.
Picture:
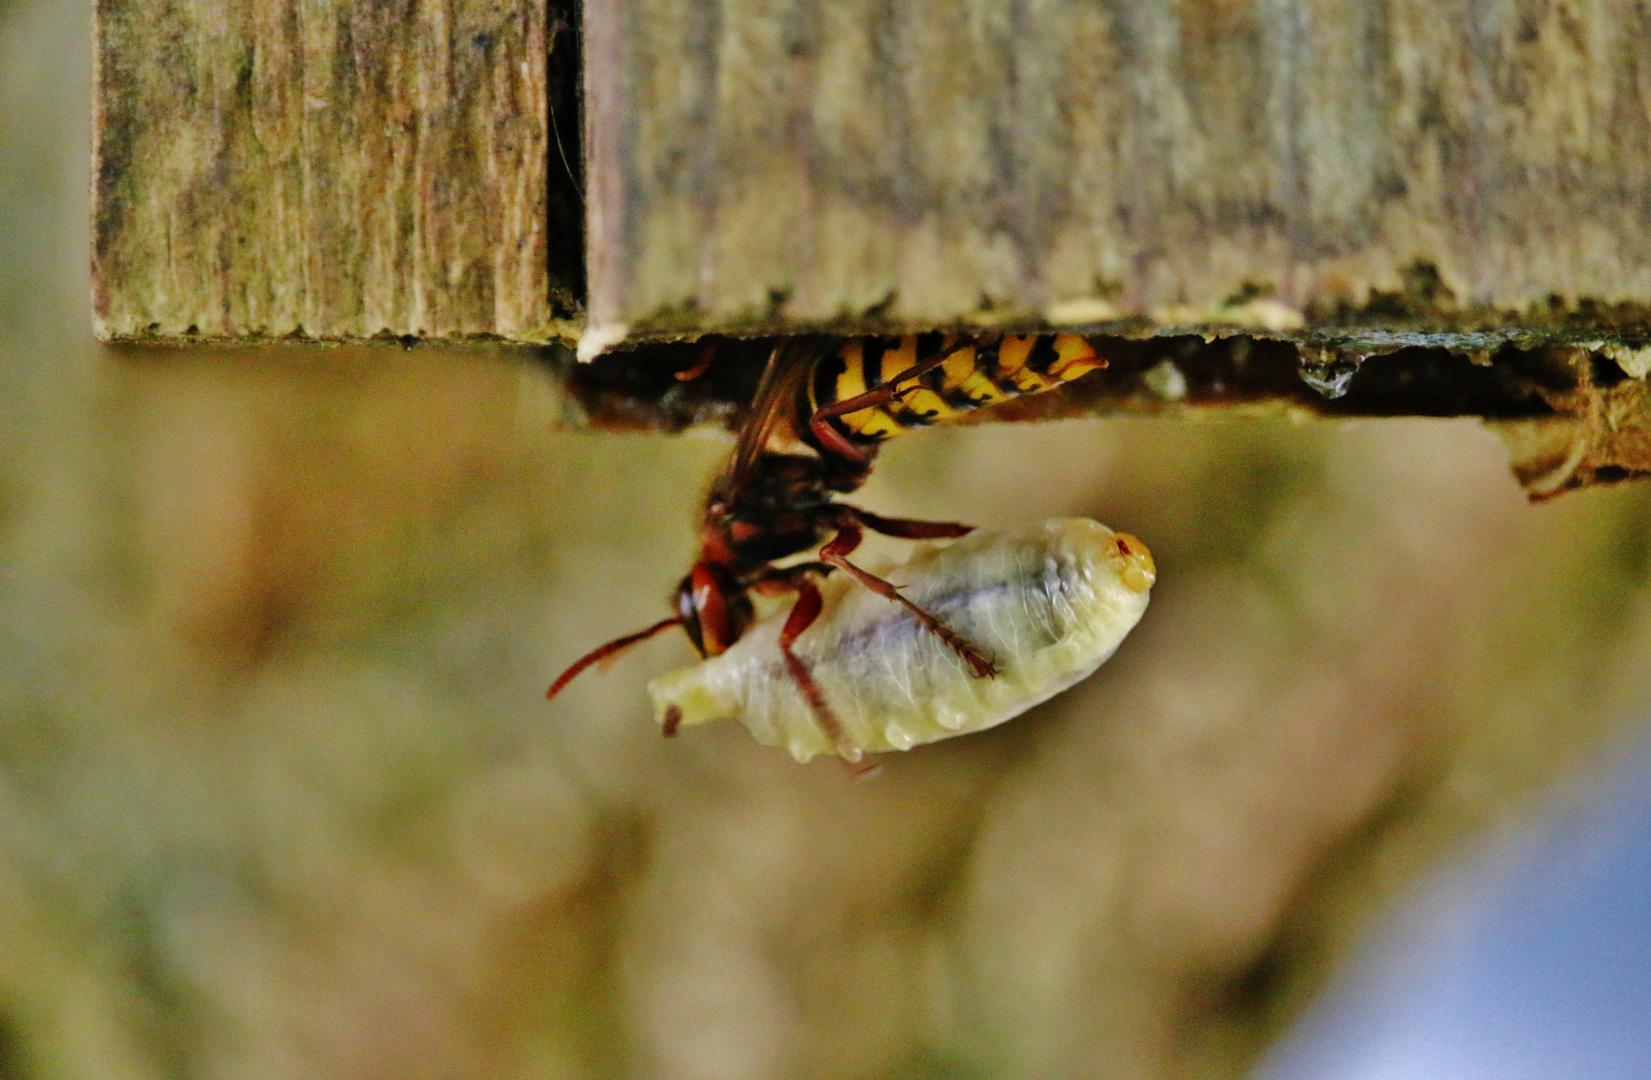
(340, 169)
(1287, 165)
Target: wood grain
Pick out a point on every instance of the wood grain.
(1276, 164)
(341, 169)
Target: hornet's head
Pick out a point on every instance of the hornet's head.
(715, 610)
(711, 606)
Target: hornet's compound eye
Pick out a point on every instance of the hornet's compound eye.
(690, 613)
(721, 608)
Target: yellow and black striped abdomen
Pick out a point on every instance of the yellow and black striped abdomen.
(973, 376)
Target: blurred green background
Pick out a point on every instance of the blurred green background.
(280, 794)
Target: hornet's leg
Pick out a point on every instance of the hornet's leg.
(707, 353)
(907, 528)
(803, 614)
(828, 436)
(836, 554)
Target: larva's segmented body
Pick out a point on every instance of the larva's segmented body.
(1048, 602)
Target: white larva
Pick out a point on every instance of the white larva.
(1048, 602)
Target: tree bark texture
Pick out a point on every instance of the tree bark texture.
(1281, 165)
(338, 169)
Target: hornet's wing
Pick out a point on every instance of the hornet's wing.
(774, 409)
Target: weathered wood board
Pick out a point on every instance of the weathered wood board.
(339, 169)
(1273, 164)
(1329, 171)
